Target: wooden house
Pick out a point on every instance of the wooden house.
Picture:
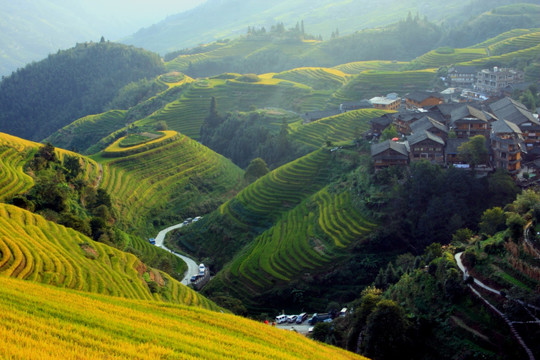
(389, 153)
(425, 145)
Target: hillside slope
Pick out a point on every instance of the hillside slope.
(225, 19)
(165, 180)
(40, 322)
(45, 96)
(38, 250)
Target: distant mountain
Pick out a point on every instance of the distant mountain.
(32, 29)
(45, 96)
(219, 19)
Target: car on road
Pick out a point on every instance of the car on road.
(291, 318)
(194, 278)
(301, 318)
(197, 218)
(280, 319)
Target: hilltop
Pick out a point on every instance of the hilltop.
(228, 19)
(68, 85)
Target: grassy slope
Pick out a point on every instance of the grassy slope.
(338, 128)
(168, 182)
(305, 239)
(85, 132)
(38, 250)
(371, 83)
(40, 322)
(15, 152)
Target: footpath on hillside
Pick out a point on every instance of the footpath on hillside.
(509, 322)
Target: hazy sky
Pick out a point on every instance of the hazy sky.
(145, 11)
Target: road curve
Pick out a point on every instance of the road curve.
(476, 281)
(193, 268)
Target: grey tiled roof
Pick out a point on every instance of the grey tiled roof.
(512, 111)
(504, 126)
(426, 123)
(389, 144)
(420, 96)
(421, 136)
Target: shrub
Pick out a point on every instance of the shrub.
(249, 78)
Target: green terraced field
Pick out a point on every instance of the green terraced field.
(187, 114)
(168, 182)
(522, 42)
(504, 36)
(438, 58)
(338, 128)
(38, 250)
(16, 152)
(305, 239)
(316, 78)
(262, 202)
(376, 83)
(87, 131)
(506, 59)
(359, 66)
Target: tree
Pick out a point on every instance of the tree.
(256, 168)
(515, 224)
(493, 220)
(385, 332)
(389, 133)
(474, 151)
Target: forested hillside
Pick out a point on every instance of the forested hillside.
(45, 96)
(228, 19)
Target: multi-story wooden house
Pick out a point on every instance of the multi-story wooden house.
(506, 141)
(422, 99)
(389, 153)
(425, 145)
(518, 114)
(467, 121)
(427, 123)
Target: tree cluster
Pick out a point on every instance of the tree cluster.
(45, 96)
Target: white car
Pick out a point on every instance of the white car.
(291, 318)
(280, 319)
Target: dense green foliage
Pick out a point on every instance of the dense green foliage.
(45, 96)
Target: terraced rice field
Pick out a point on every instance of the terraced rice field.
(305, 239)
(435, 58)
(316, 78)
(338, 128)
(234, 48)
(506, 59)
(161, 182)
(504, 36)
(187, 114)
(515, 44)
(376, 83)
(38, 250)
(359, 66)
(262, 203)
(16, 152)
(87, 131)
(41, 322)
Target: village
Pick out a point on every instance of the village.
(434, 125)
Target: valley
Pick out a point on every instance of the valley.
(377, 171)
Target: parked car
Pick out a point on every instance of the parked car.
(280, 319)
(197, 218)
(291, 318)
(301, 318)
(202, 269)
